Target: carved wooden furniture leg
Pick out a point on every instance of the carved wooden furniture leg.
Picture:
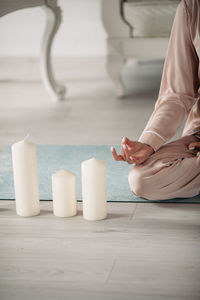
(117, 30)
(53, 20)
(115, 63)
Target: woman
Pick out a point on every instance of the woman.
(164, 171)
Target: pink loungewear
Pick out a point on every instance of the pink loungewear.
(174, 170)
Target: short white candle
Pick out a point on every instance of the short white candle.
(64, 194)
(25, 179)
(94, 189)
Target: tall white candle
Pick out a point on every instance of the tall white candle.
(94, 189)
(25, 179)
(64, 194)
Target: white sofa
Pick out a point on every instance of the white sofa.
(135, 28)
(53, 20)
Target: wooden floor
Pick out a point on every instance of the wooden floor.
(141, 251)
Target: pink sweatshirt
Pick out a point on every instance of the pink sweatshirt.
(179, 91)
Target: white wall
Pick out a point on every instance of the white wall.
(81, 32)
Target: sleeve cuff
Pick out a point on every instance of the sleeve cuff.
(151, 139)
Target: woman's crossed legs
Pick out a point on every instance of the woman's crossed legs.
(171, 172)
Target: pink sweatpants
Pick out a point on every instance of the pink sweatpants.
(173, 170)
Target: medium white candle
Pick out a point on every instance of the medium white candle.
(25, 179)
(94, 189)
(64, 194)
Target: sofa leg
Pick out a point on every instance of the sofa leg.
(53, 20)
(115, 64)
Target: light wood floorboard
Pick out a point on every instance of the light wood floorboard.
(141, 251)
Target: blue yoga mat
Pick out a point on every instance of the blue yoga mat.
(52, 158)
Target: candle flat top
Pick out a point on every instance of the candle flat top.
(63, 173)
(94, 161)
(23, 143)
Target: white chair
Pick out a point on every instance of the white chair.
(136, 29)
(53, 20)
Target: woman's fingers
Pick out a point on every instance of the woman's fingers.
(129, 152)
(128, 156)
(129, 143)
(126, 141)
(119, 157)
(133, 151)
(125, 152)
(125, 149)
(115, 155)
(132, 146)
(192, 146)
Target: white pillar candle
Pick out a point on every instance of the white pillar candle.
(94, 189)
(25, 179)
(64, 194)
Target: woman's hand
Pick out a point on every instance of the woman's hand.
(132, 152)
(194, 145)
